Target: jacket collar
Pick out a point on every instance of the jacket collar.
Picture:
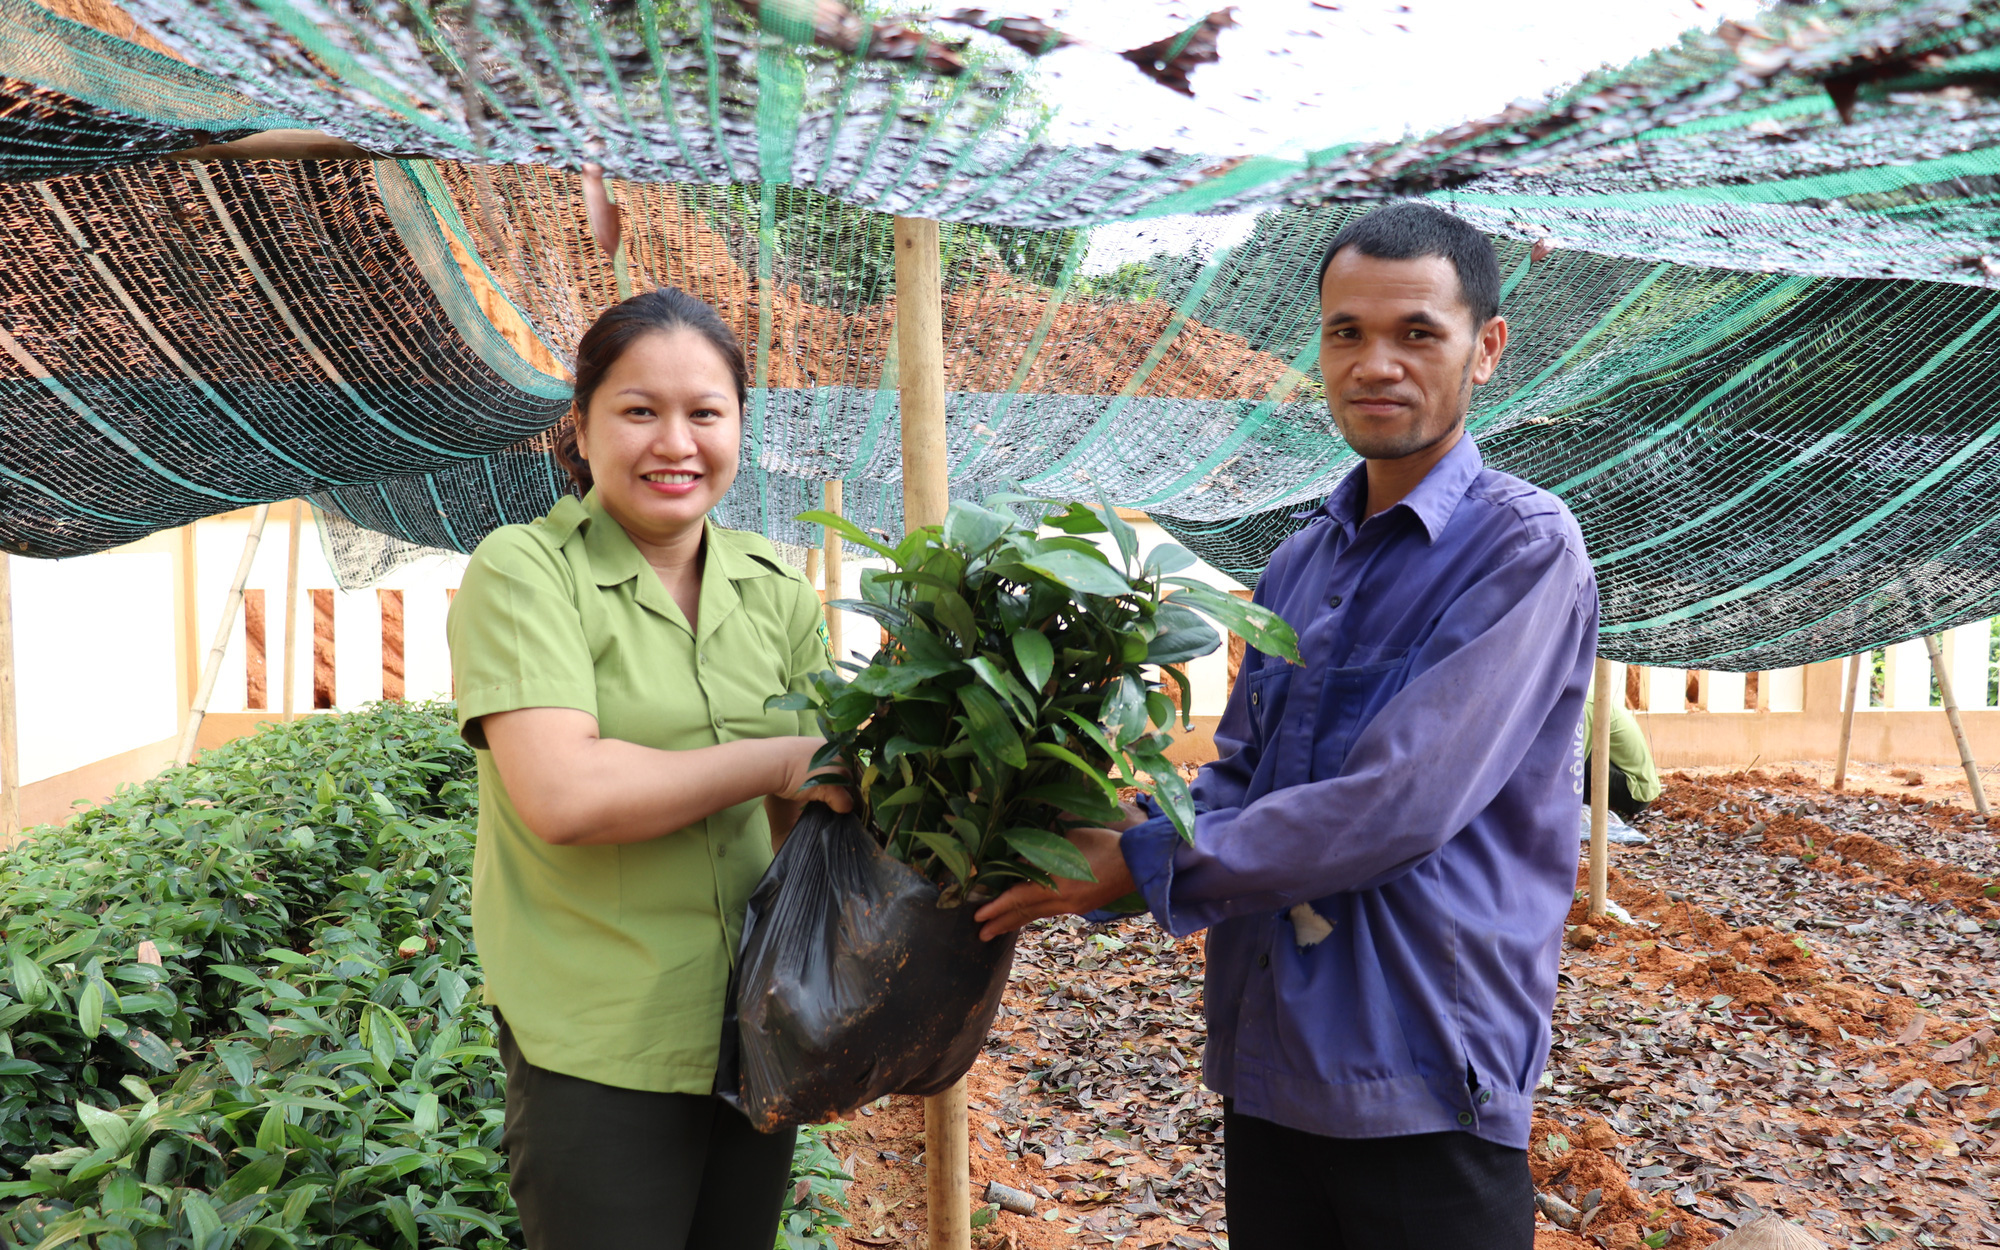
(1433, 501)
(615, 559)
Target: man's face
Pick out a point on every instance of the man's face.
(1399, 352)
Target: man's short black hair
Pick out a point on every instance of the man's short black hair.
(1409, 229)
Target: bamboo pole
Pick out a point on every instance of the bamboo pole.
(1855, 664)
(834, 491)
(213, 668)
(920, 366)
(187, 585)
(1603, 701)
(1972, 780)
(292, 606)
(926, 494)
(10, 727)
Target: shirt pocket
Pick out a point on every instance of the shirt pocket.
(1348, 699)
(1267, 690)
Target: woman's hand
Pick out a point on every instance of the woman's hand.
(796, 771)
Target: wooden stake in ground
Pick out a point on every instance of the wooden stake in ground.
(10, 727)
(1972, 781)
(926, 496)
(213, 668)
(1855, 664)
(1603, 700)
(833, 575)
(292, 604)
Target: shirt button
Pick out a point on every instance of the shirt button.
(1465, 1117)
(1264, 961)
(1253, 698)
(1333, 602)
(721, 851)
(1485, 1096)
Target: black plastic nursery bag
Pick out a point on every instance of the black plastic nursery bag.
(851, 982)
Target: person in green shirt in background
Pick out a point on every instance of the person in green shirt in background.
(612, 662)
(1635, 783)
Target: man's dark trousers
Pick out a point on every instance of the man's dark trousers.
(1290, 1190)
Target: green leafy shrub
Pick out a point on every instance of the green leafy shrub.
(309, 1063)
(1012, 692)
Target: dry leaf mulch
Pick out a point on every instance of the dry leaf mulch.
(1800, 1018)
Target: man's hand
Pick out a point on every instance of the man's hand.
(1028, 901)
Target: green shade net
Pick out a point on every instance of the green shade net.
(1756, 363)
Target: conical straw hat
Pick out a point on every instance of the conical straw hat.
(1768, 1232)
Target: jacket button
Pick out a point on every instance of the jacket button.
(1264, 960)
(1333, 602)
(1465, 1117)
(1253, 698)
(1485, 1096)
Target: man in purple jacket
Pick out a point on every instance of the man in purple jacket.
(1387, 844)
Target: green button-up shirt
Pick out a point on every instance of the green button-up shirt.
(610, 963)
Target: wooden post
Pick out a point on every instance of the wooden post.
(1603, 705)
(920, 369)
(1855, 665)
(833, 575)
(224, 628)
(187, 615)
(10, 728)
(1972, 780)
(926, 495)
(292, 606)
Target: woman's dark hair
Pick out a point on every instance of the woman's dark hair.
(616, 329)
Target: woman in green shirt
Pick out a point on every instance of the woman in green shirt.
(612, 660)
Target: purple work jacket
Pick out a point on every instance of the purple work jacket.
(1417, 781)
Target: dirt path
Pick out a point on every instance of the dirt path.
(1800, 1018)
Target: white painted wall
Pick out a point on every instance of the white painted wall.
(93, 657)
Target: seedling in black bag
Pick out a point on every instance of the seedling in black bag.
(1012, 697)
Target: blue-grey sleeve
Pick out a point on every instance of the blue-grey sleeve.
(1481, 689)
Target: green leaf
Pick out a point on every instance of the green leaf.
(908, 794)
(90, 1009)
(150, 1050)
(1121, 532)
(972, 527)
(1076, 519)
(19, 1067)
(1164, 559)
(271, 1132)
(1086, 802)
(985, 1215)
(992, 731)
(106, 1128)
(947, 849)
(1054, 752)
(29, 984)
(1177, 646)
(1082, 573)
(203, 1222)
(1171, 792)
(1036, 656)
(1005, 685)
(899, 678)
(793, 701)
(1124, 709)
(846, 529)
(956, 615)
(1050, 852)
(400, 1215)
(1258, 626)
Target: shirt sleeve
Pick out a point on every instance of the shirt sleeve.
(1417, 774)
(516, 638)
(1633, 757)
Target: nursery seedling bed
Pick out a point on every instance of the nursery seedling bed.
(1801, 1020)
